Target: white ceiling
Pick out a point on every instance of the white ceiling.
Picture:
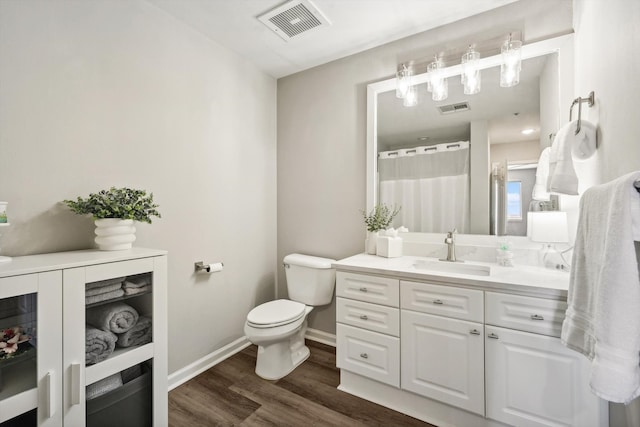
(357, 25)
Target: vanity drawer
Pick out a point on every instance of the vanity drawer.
(459, 303)
(374, 355)
(361, 287)
(374, 317)
(537, 315)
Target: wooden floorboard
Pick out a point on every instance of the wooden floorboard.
(231, 394)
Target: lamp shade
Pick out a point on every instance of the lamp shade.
(548, 227)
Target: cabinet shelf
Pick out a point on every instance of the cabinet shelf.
(122, 298)
(122, 358)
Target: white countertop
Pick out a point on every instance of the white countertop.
(60, 260)
(524, 280)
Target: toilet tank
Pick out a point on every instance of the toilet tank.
(310, 279)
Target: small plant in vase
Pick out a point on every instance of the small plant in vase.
(114, 211)
(379, 218)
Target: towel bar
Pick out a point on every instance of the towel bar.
(591, 99)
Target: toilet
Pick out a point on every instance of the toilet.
(278, 327)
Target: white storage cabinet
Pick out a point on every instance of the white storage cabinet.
(53, 383)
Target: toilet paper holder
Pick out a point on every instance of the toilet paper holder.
(209, 268)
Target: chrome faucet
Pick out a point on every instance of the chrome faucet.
(451, 247)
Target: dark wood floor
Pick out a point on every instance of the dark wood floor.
(231, 394)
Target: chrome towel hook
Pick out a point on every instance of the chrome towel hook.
(590, 100)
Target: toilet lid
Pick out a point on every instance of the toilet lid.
(276, 313)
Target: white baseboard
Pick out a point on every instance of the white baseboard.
(183, 375)
(199, 366)
(321, 337)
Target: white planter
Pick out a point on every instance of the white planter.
(370, 244)
(114, 234)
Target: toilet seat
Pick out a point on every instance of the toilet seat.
(275, 313)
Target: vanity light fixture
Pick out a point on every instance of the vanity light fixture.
(403, 81)
(511, 62)
(411, 97)
(470, 77)
(439, 84)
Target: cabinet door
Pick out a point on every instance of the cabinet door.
(533, 380)
(443, 359)
(150, 303)
(32, 375)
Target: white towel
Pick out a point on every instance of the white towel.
(602, 319)
(566, 146)
(542, 175)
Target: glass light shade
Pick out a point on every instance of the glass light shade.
(439, 84)
(511, 63)
(411, 97)
(548, 227)
(403, 81)
(470, 77)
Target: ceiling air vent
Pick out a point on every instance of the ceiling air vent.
(294, 18)
(454, 108)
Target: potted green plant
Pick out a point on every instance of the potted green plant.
(379, 218)
(114, 211)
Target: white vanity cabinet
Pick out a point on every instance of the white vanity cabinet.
(531, 378)
(442, 356)
(466, 352)
(60, 376)
(368, 326)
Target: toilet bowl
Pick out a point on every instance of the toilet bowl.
(278, 327)
(279, 337)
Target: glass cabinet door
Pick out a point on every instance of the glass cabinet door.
(30, 335)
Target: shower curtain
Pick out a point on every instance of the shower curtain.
(431, 184)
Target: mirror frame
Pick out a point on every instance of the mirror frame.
(562, 45)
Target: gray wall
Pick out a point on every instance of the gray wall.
(106, 93)
(322, 124)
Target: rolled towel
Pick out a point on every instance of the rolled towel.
(102, 283)
(103, 289)
(116, 317)
(104, 386)
(104, 297)
(99, 345)
(138, 335)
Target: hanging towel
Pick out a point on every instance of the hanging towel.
(99, 345)
(138, 335)
(542, 175)
(602, 319)
(562, 174)
(116, 317)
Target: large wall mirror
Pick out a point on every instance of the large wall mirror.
(481, 179)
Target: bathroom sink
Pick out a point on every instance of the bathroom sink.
(454, 267)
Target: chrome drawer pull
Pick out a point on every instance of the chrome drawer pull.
(364, 317)
(494, 336)
(363, 289)
(364, 355)
(438, 301)
(474, 332)
(536, 317)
